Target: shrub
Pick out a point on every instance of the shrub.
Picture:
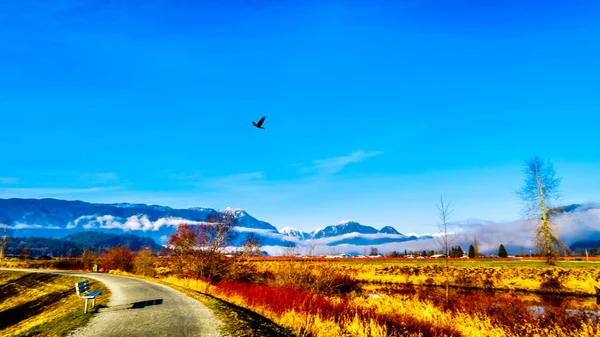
(69, 264)
(120, 258)
(144, 263)
(320, 279)
(88, 258)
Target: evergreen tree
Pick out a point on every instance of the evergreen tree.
(502, 251)
(471, 251)
(456, 252)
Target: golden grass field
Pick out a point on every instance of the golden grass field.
(352, 298)
(36, 304)
(406, 298)
(518, 276)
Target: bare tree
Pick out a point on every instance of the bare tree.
(207, 250)
(251, 246)
(444, 240)
(539, 189)
(213, 238)
(290, 249)
(334, 251)
(310, 248)
(373, 251)
(3, 240)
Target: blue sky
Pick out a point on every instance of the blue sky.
(374, 108)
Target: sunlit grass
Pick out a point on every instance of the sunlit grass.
(527, 276)
(42, 304)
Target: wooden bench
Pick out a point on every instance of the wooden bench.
(83, 291)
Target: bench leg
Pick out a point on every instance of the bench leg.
(94, 302)
(85, 310)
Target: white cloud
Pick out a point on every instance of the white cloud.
(32, 192)
(99, 178)
(9, 180)
(336, 164)
(135, 222)
(28, 226)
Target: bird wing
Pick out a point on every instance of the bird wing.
(261, 121)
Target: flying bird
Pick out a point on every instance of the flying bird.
(260, 123)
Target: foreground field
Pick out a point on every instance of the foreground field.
(42, 304)
(386, 298)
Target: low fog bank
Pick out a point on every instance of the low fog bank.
(582, 224)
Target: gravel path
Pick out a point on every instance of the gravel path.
(143, 308)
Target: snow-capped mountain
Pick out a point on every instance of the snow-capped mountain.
(247, 221)
(349, 233)
(294, 233)
(344, 227)
(389, 230)
(57, 218)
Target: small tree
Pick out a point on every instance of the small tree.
(290, 249)
(120, 258)
(374, 251)
(444, 241)
(502, 251)
(310, 249)
(25, 254)
(200, 250)
(471, 252)
(143, 264)
(183, 245)
(540, 187)
(456, 252)
(88, 258)
(393, 254)
(476, 246)
(251, 246)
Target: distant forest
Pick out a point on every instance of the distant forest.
(74, 244)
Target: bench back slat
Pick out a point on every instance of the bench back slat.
(82, 287)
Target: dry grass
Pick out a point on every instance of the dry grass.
(42, 304)
(396, 315)
(322, 298)
(284, 295)
(541, 279)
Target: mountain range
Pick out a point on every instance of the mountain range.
(53, 218)
(75, 244)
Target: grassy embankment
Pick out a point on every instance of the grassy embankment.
(39, 304)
